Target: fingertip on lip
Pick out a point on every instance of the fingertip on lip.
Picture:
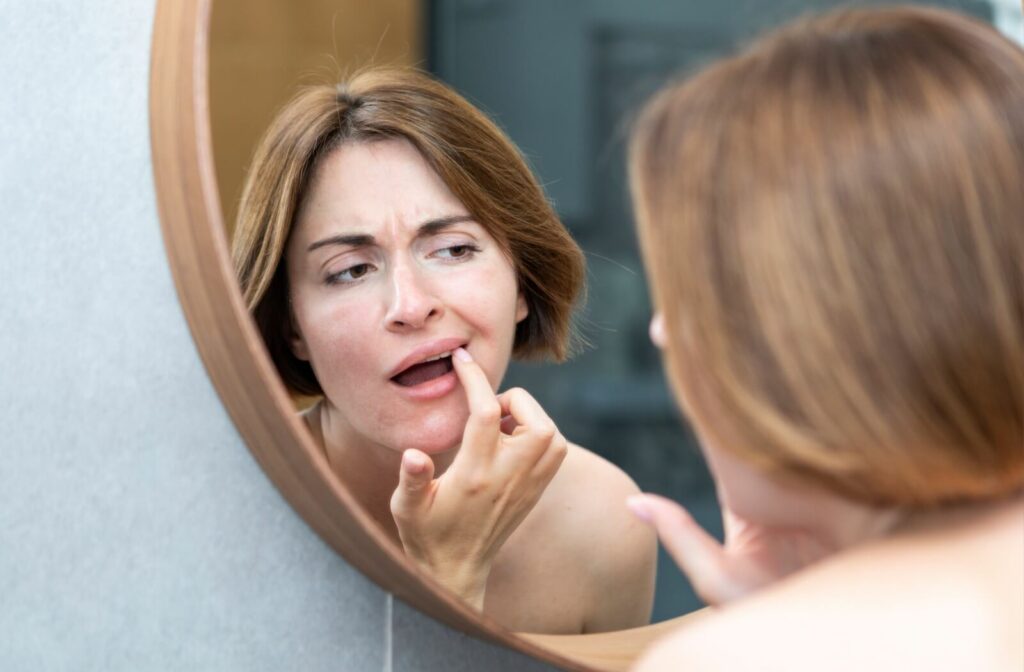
(462, 355)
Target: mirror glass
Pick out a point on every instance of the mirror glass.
(562, 79)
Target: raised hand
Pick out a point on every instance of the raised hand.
(454, 525)
(753, 556)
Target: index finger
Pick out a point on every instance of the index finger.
(484, 425)
(699, 555)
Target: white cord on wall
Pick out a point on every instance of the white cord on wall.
(389, 625)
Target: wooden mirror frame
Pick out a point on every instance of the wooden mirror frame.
(242, 373)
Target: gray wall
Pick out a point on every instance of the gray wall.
(136, 532)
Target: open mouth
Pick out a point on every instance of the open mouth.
(417, 374)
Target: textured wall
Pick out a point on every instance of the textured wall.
(136, 532)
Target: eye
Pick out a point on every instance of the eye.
(350, 274)
(453, 252)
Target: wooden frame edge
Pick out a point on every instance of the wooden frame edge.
(193, 229)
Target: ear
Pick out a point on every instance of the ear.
(295, 340)
(522, 308)
(657, 330)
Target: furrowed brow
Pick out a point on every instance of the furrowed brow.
(426, 229)
(351, 240)
(433, 226)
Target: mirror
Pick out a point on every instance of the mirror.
(259, 60)
(611, 396)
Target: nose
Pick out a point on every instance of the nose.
(413, 301)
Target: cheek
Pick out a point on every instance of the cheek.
(488, 298)
(485, 300)
(340, 342)
(752, 494)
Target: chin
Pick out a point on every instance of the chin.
(434, 435)
(433, 444)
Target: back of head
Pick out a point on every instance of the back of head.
(834, 226)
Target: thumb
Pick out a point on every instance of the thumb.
(414, 478)
(698, 554)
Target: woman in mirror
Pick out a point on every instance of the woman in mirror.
(847, 337)
(395, 251)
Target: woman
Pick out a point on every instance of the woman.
(395, 251)
(847, 338)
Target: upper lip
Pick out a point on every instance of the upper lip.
(426, 351)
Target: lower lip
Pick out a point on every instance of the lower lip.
(431, 389)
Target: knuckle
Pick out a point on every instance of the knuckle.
(398, 508)
(546, 432)
(475, 485)
(489, 413)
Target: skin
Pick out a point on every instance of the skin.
(479, 488)
(941, 593)
(782, 569)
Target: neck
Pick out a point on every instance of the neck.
(368, 469)
(965, 514)
(842, 523)
(845, 523)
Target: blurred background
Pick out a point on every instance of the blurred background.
(562, 78)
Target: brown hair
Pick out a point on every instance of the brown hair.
(471, 155)
(833, 222)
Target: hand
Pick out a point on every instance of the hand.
(454, 526)
(753, 556)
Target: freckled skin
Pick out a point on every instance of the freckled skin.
(355, 334)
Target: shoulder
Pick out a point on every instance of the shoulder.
(950, 599)
(584, 469)
(590, 493)
(587, 502)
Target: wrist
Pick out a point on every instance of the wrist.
(470, 588)
(469, 583)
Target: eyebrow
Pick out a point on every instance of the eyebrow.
(425, 229)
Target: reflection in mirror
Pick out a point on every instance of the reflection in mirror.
(384, 268)
(395, 252)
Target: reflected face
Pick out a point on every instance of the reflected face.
(388, 274)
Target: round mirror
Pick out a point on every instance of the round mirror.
(562, 95)
(561, 81)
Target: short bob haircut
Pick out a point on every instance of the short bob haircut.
(833, 222)
(471, 155)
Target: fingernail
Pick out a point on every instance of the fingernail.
(412, 462)
(638, 505)
(463, 355)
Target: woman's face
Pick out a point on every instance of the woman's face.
(387, 270)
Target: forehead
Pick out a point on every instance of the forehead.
(372, 186)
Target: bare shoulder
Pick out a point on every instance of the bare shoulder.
(587, 502)
(584, 471)
(587, 499)
(949, 598)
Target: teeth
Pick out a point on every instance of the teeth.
(437, 357)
